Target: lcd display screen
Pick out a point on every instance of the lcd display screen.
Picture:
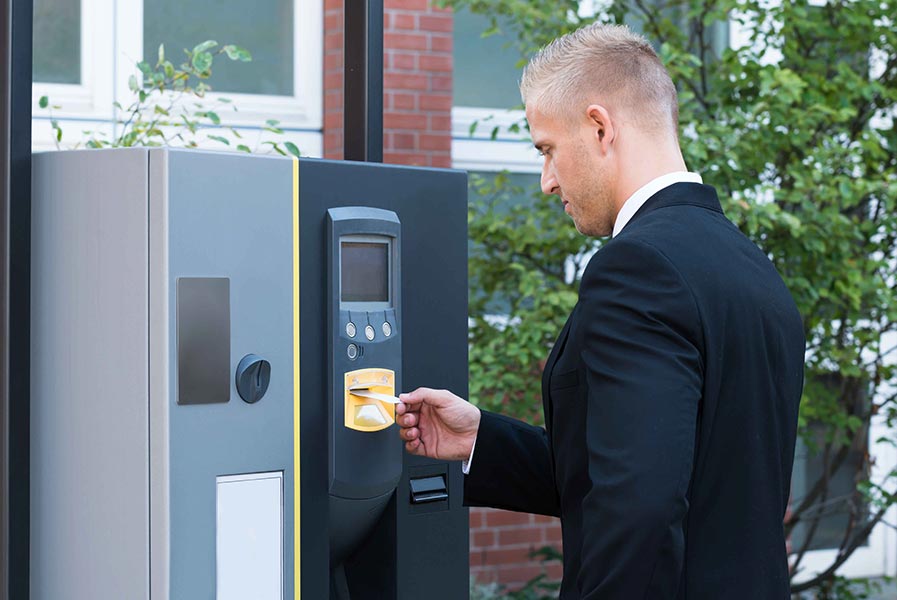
(364, 268)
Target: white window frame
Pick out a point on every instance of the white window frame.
(112, 44)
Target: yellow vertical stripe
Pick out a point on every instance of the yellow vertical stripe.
(297, 562)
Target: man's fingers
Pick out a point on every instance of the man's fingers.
(409, 434)
(408, 420)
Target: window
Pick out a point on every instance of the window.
(268, 35)
(85, 51)
(486, 72)
(57, 41)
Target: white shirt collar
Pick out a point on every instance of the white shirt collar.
(641, 195)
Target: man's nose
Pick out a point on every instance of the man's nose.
(549, 183)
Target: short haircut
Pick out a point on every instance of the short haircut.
(602, 64)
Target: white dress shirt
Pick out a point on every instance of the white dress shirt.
(627, 211)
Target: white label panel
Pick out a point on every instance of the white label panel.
(249, 544)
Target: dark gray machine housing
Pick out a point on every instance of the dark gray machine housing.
(418, 548)
(142, 259)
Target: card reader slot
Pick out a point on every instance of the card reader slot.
(428, 489)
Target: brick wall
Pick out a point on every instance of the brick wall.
(501, 542)
(417, 83)
(417, 105)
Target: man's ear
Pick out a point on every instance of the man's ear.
(602, 125)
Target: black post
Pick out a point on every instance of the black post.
(16, 17)
(363, 84)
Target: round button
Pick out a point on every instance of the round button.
(387, 329)
(350, 329)
(369, 332)
(352, 351)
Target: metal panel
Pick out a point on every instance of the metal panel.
(89, 450)
(229, 216)
(15, 232)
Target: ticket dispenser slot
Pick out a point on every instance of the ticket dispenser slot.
(365, 362)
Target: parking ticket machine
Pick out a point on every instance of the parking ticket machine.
(217, 344)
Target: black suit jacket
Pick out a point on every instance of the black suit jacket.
(671, 400)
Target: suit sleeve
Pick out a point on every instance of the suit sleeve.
(643, 363)
(512, 469)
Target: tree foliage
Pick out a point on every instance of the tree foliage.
(793, 124)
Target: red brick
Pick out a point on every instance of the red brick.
(555, 571)
(333, 5)
(419, 5)
(399, 158)
(500, 518)
(519, 536)
(399, 101)
(435, 102)
(483, 539)
(402, 60)
(435, 62)
(405, 41)
(333, 41)
(333, 119)
(440, 83)
(393, 120)
(401, 21)
(440, 123)
(333, 21)
(553, 534)
(429, 141)
(403, 141)
(545, 519)
(514, 556)
(441, 22)
(442, 161)
(333, 61)
(476, 515)
(333, 80)
(517, 575)
(404, 81)
(440, 43)
(477, 559)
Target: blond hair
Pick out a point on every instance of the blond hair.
(602, 64)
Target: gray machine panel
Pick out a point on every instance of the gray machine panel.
(89, 384)
(229, 216)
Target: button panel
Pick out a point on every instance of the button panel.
(350, 329)
(387, 329)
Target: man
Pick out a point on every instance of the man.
(671, 394)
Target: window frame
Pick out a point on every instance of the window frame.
(112, 43)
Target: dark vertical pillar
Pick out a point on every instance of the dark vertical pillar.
(15, 240)
(363, 80)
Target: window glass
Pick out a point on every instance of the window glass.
(833, 509)
(266, 31)
(57, 41)
(486, 72)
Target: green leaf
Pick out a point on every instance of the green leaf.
(132, 83)
(272, 122)
(203, 47)
(43, 102)
(221, 139)
(237, 53)
(292, 149)
(244, 148)
(202, 61)
(213, 117)
(161, 53)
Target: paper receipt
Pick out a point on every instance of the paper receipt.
(366, 393)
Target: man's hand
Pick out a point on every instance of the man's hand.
(437, 424)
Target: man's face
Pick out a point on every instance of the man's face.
(577, 167)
